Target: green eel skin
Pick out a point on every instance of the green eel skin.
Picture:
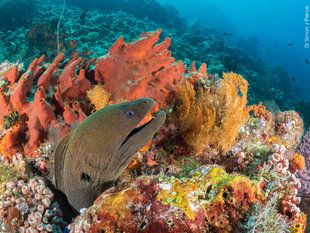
(89, 159)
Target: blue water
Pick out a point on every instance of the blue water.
(278, 25)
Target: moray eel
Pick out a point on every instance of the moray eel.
(89, 159)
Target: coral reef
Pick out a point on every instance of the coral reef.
(163, 15)
(61, 92)
(297, 162)
(79, 27)
(8, 121)
(252, 151)
(27, 206)
(267, 220)
(304, 176)
(260, 111)
(7, 173)
(13, 15)
(209, 199)
(289, 127)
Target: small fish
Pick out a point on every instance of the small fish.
(151, 163)
(290, 44)
(307, 61)
(89, 159)
(293, 80)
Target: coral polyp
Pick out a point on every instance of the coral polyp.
(27, 206)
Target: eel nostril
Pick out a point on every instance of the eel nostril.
(86, 177)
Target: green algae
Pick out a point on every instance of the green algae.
(7, 174)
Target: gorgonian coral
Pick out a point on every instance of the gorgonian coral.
(212, 116)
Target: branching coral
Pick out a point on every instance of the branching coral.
(212, 116)
(268, 220)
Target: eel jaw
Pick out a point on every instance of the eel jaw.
(136, 130)
(149, 128)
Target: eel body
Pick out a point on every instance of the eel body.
(89, 159)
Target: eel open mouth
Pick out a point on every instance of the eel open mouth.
(136, 130)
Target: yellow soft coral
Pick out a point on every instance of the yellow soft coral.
(98, 96)
(215, 117)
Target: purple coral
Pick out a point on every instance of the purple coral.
(304, 175)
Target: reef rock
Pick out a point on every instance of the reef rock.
(208, 200)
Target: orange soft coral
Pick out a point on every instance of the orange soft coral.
(260, 111)
(140, 69)
(297, 162)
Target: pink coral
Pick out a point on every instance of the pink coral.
(304, 175)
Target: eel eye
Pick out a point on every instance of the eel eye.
(86, 177)
(129, 114)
